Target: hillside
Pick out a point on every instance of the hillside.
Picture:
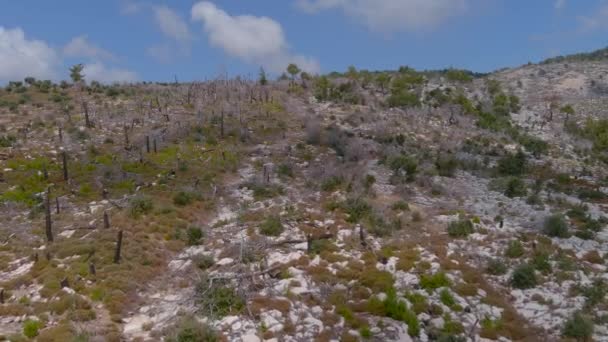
(376, 206)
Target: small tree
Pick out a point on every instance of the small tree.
(293, 70)
(263, 78)
(568, 111)
(76, 73)
(383, 80)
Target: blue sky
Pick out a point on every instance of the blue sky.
(126, 40)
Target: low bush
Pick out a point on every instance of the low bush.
(578, 327)
(460, 228)
(523, 277)
(272, 226)
(556, 226)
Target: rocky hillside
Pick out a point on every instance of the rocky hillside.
(364, 206)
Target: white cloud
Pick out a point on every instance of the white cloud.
(255, 40)
(98, 71)
(597, 21)
(391, 15)
(21, 57)
(81, 47)
(171, 24)
(559, 4)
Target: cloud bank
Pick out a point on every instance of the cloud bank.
(254, 40)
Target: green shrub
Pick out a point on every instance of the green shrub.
(400, 206)
(332, 183)
(578, 327)
(191, 330)
(203, 261)
(140, 206)
(404, 166)
(594, 293)
(217, 299)
(183, 198)
(446, 165)
(540, 261)
(446, 298)
(396, 309)
(556, 226)
(377, 281)
(285, 170)
(272, 226)
(356, 209)
(515, 249)
(496, 267)
(515, 187)
(523, 277)
(512, 164)
(195, 234)
(7, 140)
(31, 327)
(435, 281)
(460, 228)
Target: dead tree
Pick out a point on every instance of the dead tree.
(64, 157)
(85, 109)
(92, 270)
(47, 216)
(147, 144)
(106, 220)
(222, 125)
(2, 296)
(126, 133)
(60, 134)
(118, 248)
(57, 205)
(154, 145)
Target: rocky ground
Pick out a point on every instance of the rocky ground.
(250, 213)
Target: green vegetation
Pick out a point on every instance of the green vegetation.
(189, 329)
(523, 277)
(515, 249)
(461, 228)
(272, 226)
(578, 327)
(396, 309)
(556, 226)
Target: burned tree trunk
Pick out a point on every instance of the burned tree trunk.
(154, 145)
(118, 248)
(85, 109)
(106, 220)
(147, 144)
(92, 270)
(47, 216)
(64, 157)
(126, 132)
(57, 205)
(222, 125)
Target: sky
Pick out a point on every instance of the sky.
(156, 40)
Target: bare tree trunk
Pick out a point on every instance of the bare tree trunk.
(92, 270)
(147, 144)
(47, 216)
(85, 108)
(64, 156)
(57, 205)
(154, 145)
(222, 125)
(118, 247)
(106, 220)
(126, 133)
